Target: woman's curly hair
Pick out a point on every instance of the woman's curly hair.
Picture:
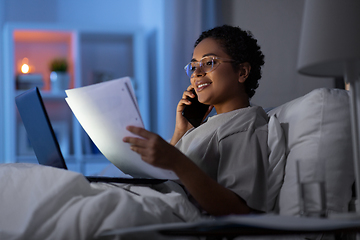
(242, 47)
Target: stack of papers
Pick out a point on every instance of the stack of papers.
(104, 110)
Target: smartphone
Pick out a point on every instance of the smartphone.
(195, 112)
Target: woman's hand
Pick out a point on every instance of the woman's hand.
(153, 149)
(182, 125)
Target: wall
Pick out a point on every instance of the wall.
(1, 79)
(30, 11)
(276, 24)
(109, 13)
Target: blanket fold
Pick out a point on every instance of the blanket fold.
(39, 202)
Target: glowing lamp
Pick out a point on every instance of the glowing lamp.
(27, 78)
(25, 68)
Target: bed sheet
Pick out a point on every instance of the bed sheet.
(39, 202)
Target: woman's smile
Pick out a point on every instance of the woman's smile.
(201, 86)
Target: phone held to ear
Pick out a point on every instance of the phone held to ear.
(195, 112)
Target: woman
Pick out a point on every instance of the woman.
(222, 163)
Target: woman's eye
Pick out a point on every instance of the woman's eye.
(209, 62)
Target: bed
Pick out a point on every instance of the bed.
(39, 202)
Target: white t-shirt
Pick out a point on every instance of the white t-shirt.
(232, 149)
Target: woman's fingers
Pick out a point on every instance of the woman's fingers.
(151, 147)
(137, 142)
(185, 98)
(134, 141)
(190, 88)
(188, 93)
(148, 139)
(139, 131)
(138, 150)
(184, 101)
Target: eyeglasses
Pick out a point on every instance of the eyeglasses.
(206, 65)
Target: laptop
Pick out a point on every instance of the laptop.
(44, 142)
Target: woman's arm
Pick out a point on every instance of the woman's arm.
(212, 197)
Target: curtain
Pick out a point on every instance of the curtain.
(183, 22)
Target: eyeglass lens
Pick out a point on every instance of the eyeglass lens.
(205, 65)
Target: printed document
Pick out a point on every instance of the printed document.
(104, 110)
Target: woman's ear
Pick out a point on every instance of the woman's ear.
(244, 71)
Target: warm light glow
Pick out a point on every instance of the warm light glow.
(25, 68)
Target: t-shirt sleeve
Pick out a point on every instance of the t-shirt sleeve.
(243, 163)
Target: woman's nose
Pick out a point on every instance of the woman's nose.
(199, 72)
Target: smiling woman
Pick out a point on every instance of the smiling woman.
(222, 164)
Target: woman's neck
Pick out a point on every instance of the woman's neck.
(243, 102)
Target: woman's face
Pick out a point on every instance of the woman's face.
(223, 87)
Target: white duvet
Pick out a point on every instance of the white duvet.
(38, 202)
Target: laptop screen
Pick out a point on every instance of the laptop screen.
(39, 130)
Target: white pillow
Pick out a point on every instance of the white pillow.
(317, 128)
(277, 160)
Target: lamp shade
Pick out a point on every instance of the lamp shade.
(330, 37)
